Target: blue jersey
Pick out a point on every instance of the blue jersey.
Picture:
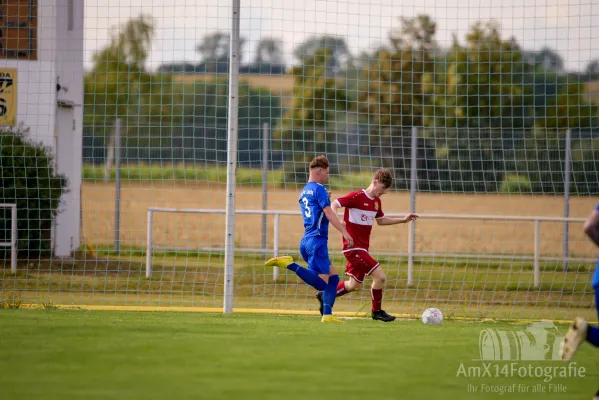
(596, 274)
(313, 200)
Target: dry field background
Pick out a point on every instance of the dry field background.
(282, 85)
(278, 84)
(476, 289)
(436, 236)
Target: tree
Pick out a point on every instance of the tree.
(416, 33)
(214, 50)
(569, 109)
(585, 167)
(393, 97)
(592, 69)
(206, 104)
(269, 51)
(119, 84)
(483, 85)
(316, 102)
(366, 57)
(112, 88)
(335, 46)
(29, 180)
(480, 86)
(549, 60)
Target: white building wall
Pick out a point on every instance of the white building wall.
(69, 121)
(36, 79)
(60, 60)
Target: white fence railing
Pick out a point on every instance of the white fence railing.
(411, 253)
(13, 236)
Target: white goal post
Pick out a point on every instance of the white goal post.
(12, 243)
(536, 257)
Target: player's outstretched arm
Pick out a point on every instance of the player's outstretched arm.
(591, 227)
(396, 220)
(334, 220)
(336, 206)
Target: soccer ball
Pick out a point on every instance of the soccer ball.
(432, 316)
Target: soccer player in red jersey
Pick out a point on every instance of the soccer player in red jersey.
(362, 208)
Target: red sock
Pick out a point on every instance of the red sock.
(377, 299)
(341, 290)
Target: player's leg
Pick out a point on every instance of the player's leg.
(379, 279)
(351, 270)
(356, 270)
(361, 265)
(343, 288)
(308, 276)
(323, 264)
(579, 332)
(350, 285)
(593, 331)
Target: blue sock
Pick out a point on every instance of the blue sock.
(329, 295)
(308, 276)
(593, 331)
(593, 336)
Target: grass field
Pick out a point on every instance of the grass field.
(62, 355)
(195, 280)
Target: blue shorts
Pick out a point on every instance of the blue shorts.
(596, 286)
(315, 251)
(597, 301)
(596, 277)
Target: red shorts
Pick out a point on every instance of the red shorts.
(360, 264)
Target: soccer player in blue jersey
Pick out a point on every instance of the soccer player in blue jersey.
(315, 205)
(580, 329)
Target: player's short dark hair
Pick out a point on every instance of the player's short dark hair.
(384, 176)
(320, 162)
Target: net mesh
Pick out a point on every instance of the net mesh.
(491, 90)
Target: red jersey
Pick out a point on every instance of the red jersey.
(360, 212)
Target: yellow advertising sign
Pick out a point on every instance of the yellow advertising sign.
(8, 96)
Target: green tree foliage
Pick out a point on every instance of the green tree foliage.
(214, 50)
(317, 99)
(269, 51)
(483, 84)
(336, 48)
(205, 103)
(549, 60)
(568, 109)
(585, 170)
(28, 179)
(393, 96)
(119, 85)
(592, 70)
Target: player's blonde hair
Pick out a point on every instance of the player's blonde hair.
(320, 162)
(384, 176)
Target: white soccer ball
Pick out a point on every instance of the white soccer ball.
(432, 316)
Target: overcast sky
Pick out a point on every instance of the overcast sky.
(568, 26)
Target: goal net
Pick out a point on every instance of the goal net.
(486, 115)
